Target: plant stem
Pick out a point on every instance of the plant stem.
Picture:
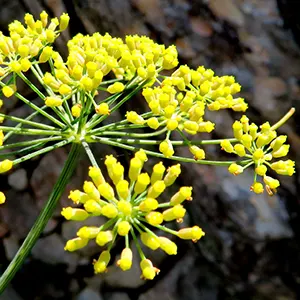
(42, 219)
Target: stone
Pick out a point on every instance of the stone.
(88, 294)
(117, 296)
(50, 250)
(18, 179)
(201, 27)
(227, 10)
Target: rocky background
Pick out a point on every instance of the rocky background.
(251, 249)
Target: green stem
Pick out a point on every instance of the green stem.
(26, 143)
(174, 143)
(138, 135)
(177, 158)
(283, 119)
(29, 131)
(44, 150)
(42, 219)
(30, 117)
(24, 121)
(89, 154)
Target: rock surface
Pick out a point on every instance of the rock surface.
(251, 248)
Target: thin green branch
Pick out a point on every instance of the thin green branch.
(177, 158)
(42, 219)
(24, 121)
(42, 151)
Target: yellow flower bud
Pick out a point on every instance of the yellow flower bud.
(148, 204)
(64, 21)
(237, 127)
(156, 189)
(125, 261)
(198, 153)
(134, 118)
(134, 168)
(88, 232)
(87, 83)
(76, 244)
(93, 207)
(154, 218)
(101, 264)
(9, 90)
(257, 188)
(116, 173)
(227, 146)
(106, 191)
(65, 89)
(44, 18)
(184, 193)
(123, 189)
(74, 214)
(261, 170)
(15, 66)
(235, 169)
(172, 124)
(173, 213)
(240, 150)
(78, 197)
(150, 240)
(116, 87)
(103, 109)
(76, 110)
(282, 151)
(53, 101)
(258, 154)
(166, 148)
(246, 140)
(206, 126)
(148, 270)
(271, 182)
(90, 189)
(172, 173)
(125, 207)
(193, 233)
(158, 172)
(278, 142)
(104, 237)
(153, 123)
(109, 211)
(142, 182)
(2, 198)
(46, 54)
(167, 245)
(5, 165)
(141, 155)
(96, 175)
(123, 228)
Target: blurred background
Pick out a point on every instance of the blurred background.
(251, 249)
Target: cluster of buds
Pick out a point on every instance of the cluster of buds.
(28, 43)
(179, 103)
(93, 57)
(260, 147)
(132, 207)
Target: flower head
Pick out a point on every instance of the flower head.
(261, 147)
(132, 208)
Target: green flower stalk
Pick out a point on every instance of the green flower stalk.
(75, 98)
(132, 208)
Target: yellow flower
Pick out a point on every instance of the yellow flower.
(132, 208)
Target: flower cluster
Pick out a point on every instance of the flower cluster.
(93, 57)
(132, 207)
(260, 147)
(179, 103)
(26, 43)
